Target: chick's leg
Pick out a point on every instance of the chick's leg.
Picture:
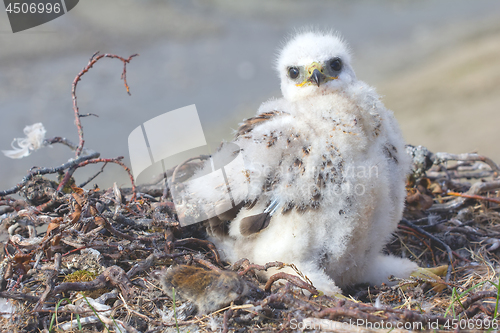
(382, 266)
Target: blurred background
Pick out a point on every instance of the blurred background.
(436, 64)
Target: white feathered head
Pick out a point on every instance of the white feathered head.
(314, 63)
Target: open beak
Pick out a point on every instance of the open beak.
(315, 75)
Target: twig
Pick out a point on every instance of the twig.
(411, 232)
(474, 190)
(90, 114)
(456, 174)
(132, 310)
(227, 315)
(476, 297)
(91, 178)
(78, 151)
(19, 296)
(201, 243)
(44, 171)
(115, 275)
(443, 157)
(338, 312)
(98, 282)
(146, 263)
(116, 161)
(207, 264)
(295, 280)
(63, 141)
(66, 178)
(52, 275)
(437, 240)
(472, 196)
(95, 57)
(485, 307)
(261, 267)
(99, 220)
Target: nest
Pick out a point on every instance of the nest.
(99, 264)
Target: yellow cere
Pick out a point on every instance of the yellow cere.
(310, 69)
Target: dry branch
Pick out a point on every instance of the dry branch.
(44, 171)
(91, 157)
(295, 280)
(95, 57)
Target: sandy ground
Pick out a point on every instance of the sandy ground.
(436, 63)
(451, 100)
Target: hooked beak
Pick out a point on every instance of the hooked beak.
(315, 75)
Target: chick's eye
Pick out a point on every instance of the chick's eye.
(336, 64)
(293, 72)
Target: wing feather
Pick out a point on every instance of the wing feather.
(249, 124)
(250, 224)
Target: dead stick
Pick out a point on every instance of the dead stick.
(61, 140)
(437, 240)
(334, 313)
(91, 178)
(295, 280)
(44, 171)
(118, 278)
(227, 316)
(95, 57)
(208, 265)
(101, 221)
(474, 196)
(98, 282)
(442, 157)
(116, 161)
(52, 275)
(474, 189)
(201, 243)
(19, 296)
(142, 265)
(66, 178)
(261, 267)
(115, 275)
(476, 297)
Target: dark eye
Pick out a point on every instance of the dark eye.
(336, 64)
(293, 72)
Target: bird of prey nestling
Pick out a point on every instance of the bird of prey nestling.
(322, 184)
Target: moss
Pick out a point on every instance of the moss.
(80, 276)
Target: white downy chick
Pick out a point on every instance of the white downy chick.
(323, 182)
